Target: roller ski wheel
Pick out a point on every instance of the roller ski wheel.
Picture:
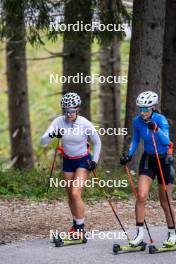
(152, 249)
(127, 249)
(84, 240)
(116, 248)
(54, 238)
(58, 242)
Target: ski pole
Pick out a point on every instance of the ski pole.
(52, 167)
(110, 204)
(162, 177)
(136, 194)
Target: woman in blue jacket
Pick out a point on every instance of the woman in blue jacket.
(144, 124)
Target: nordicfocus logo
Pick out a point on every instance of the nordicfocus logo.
(78, 130)
(94, 234)
(80, 26)
(92, 79)
(90, 183)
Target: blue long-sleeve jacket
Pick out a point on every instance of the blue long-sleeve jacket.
(141, 130)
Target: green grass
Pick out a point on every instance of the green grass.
(33, 185)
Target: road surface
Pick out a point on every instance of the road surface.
(95, 251)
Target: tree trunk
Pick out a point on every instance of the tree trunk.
(77, 46)
(110, 104)
(145, 56)
(169, 66)
(19, 123)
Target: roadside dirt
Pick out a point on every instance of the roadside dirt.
(25, 219)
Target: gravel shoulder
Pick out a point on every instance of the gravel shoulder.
(26, 219)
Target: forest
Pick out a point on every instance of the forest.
(42, 59)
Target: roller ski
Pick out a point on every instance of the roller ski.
(135, 245)
(75, 236)
(129, 248)
(68, 242)
(168, 245)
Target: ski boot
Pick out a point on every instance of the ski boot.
(76, 232)
(137, 241)
(171, 240)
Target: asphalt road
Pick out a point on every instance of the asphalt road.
(95, 251)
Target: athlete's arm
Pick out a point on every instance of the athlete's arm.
(135, 140)
(54, 126)
(163, 131)
(92, 133)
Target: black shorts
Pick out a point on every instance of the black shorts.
(71, 165)
(149, 166)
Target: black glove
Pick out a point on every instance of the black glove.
(56, 134)
(92, 165)
(152, 125)
(125, 159)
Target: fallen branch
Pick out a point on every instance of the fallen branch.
(4, 129)
(59, 54)
(52, 94)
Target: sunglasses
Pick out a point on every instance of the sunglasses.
(70, 111)
(144, 109)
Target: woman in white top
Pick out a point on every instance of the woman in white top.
(74, 131)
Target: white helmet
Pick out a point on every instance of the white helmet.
(70, 100)
(147, 99)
